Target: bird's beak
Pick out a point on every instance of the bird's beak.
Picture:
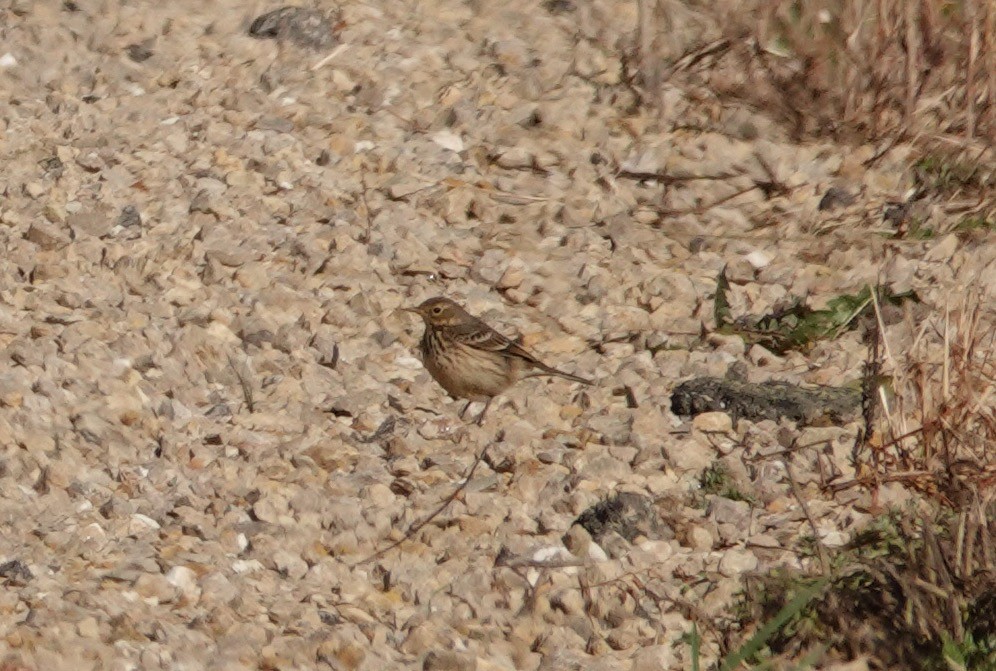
(412, 310)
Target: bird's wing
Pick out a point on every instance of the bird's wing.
(481, 336)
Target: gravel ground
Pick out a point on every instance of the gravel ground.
(212, 414)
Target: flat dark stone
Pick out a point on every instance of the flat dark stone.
(139, 51)
(628, 514)
(834, 198)
(770, 400)
(308, 28)
(130, 216)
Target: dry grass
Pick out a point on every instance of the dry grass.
(856, 70)
(877, 72)
(937, 429)
(923, 586)
(896, 598)
(917, 590)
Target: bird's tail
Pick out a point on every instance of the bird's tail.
(545, 370)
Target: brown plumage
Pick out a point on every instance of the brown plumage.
(471, 360)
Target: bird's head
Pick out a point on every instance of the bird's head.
(440, 311)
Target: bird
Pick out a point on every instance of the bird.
(471, 360)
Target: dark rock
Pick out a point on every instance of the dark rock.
(770, 400)
(130, 216)
(308, 28)
(835, 197)
(628, 514)
(140, 51)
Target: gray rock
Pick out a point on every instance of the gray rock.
(628, 514)
(308, 28)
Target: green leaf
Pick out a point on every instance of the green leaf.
(761, 636)
(953, 656)
(696, 643)
(721, 306)
(797, 326)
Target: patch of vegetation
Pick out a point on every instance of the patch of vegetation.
(896, 595)
(796, 326)
(718, 480)
(938, 173)
(916, 589)
(917, 230)
(755, 650)
(834, 69)
(968, 654)
(975, 223)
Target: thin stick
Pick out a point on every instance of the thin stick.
(700, 209)
(961, 569)
(324, 61)
(525, 562)
(913, 9)
(824, 560)
(991, 58)
(417, 526)
(649, 67)
(895, 477)
(973, 56)
(946, 369)
(883, 342)
(244, 376)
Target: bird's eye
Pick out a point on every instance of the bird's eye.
(438, 310)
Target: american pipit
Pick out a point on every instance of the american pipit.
(471, 360)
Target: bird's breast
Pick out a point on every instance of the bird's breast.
(467, 372)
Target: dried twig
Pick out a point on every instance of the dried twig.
(699, 209)
(506, 560)
(797, 491)
(244, 376)
(417, 526)
(973, 57)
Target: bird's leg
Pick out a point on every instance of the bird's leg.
(464, 411)
(480, 418)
